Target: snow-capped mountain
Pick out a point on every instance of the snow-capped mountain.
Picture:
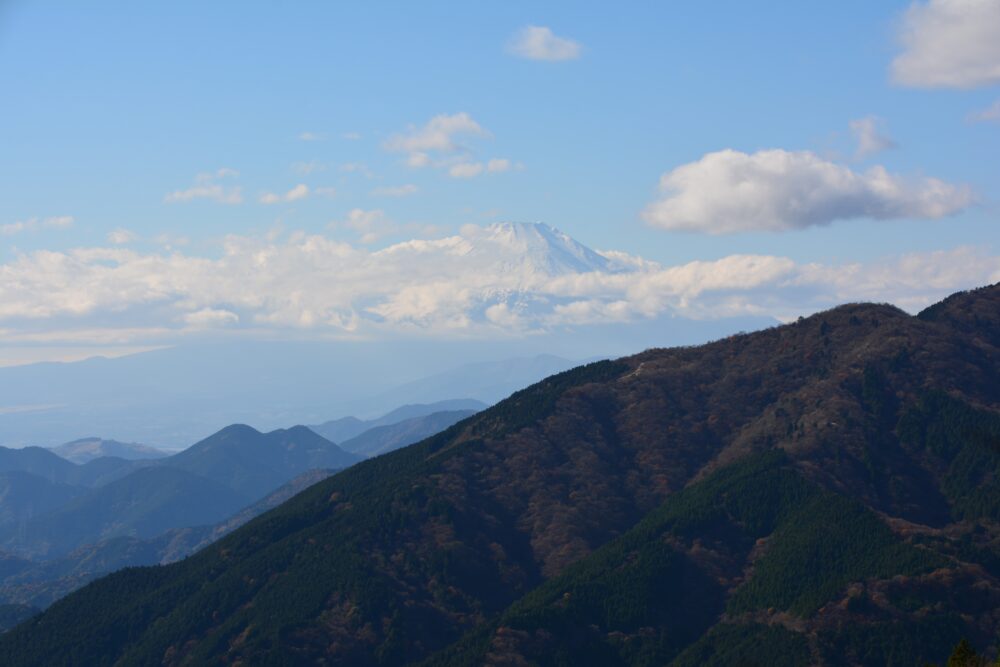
(536, 247)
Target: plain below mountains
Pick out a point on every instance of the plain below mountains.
(825, 492)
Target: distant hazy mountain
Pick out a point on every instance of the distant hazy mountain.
(382, 439)
(37, 461)
(24, 495)
(88, 449)
(144, 504)
(48, 511)
(39, 584)
(346, 428)
(254, 463)
(43, 463)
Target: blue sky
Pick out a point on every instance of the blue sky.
(109, 107)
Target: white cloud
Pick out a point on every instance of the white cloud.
(439, 134)
(300, 191)
(775, 190)
(312, 136)
(949, 44)
(325, 191)
(396, 190)
(33, 224)
(540, 43)
(465, 169)
(207, 186)
(351, 136)
(480, 282)
(868, 132)
(121, 236)
(989, 115)
(436, 145)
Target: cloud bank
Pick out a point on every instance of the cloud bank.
(491, 281)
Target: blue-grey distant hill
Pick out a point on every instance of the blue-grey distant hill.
(383, 439)
(53, 506)
(88, 449)
(71, 523)
(346, 428)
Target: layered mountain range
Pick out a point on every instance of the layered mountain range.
(63, 524)
(824, 492)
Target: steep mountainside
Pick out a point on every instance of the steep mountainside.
(382, 439)
(825, 491)
(12, 614)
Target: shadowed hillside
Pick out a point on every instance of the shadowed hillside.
(825, 491)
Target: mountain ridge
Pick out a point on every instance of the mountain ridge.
(399, 557)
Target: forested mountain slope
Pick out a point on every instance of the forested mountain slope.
(827, 490)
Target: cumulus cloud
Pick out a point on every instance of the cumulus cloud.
(437, 145)
(33, 224)
(479, 282)
(396, 190)
(949, 44)
(300, 191)
(540, 43)
(870, 136)
(208, 186)
(728, 191)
